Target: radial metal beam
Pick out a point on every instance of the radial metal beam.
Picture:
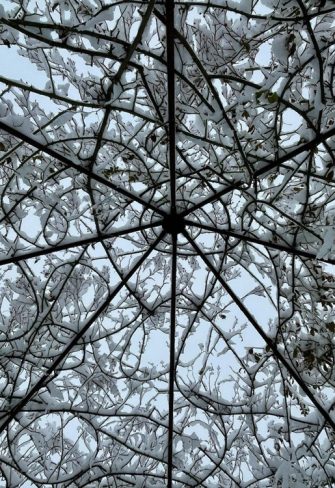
(74, 341)
(171, 98)
(270, 343)
(255, 240)
(172, 371)
(16, 258)
(32, 141)
(308, 146)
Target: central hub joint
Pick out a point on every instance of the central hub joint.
(173, 224)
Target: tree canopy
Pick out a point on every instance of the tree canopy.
(167, 243)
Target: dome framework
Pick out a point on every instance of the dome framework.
(167, 244)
